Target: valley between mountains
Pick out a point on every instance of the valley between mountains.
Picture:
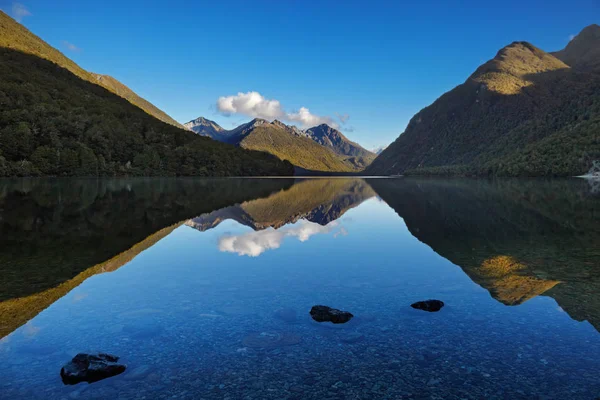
(526, 112)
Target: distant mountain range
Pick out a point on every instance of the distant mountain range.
(523, 113)
(320, 148)
(58, 119)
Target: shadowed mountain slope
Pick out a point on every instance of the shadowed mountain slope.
(523, 113)
(15, 36)
(583, 52)
(54, 123)
(340, 144)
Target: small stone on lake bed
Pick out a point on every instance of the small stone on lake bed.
(90, 368)
(428, 305)
(328, 314)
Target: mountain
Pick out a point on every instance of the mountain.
(523, 113)
(287, 143)
(319, 149)
(236, 135)
(277, 139)
(55, 119)
(583, 52)
(205, 127)
(15, 36)
(340, 144)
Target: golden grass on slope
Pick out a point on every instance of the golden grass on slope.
(16, 312)
(503, 278)
(507, 72)
(300, 151)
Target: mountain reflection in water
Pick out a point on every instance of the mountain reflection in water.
(316, 204)
(203, 287)
(517, 239)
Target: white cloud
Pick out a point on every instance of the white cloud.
(308, 120)
(571, 37)
(255, 105)
(70, 46)
(19, 11)
(253, 244)
(30, 329)
(252, 104)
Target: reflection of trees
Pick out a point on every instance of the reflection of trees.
(17, 311)
(516, 238)
(51, 230)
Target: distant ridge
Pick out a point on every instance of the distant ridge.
(204, 127)
(340, 144)
(320, 148)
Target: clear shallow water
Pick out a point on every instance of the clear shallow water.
(203, 288)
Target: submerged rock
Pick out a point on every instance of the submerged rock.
(90, 368)
(428, 305)
(328, 314)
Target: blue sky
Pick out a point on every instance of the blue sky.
(374, 62)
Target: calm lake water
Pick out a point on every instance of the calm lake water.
(204, 287)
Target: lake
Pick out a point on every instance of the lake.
(203, 287)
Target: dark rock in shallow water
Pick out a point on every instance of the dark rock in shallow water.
(428, 305)
(328, 314)
(90, 368)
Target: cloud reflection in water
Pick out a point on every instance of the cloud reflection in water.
(253, 244)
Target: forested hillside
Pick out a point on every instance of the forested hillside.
(53, 122)
(523, 113)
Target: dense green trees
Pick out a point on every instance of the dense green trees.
(54, 123)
